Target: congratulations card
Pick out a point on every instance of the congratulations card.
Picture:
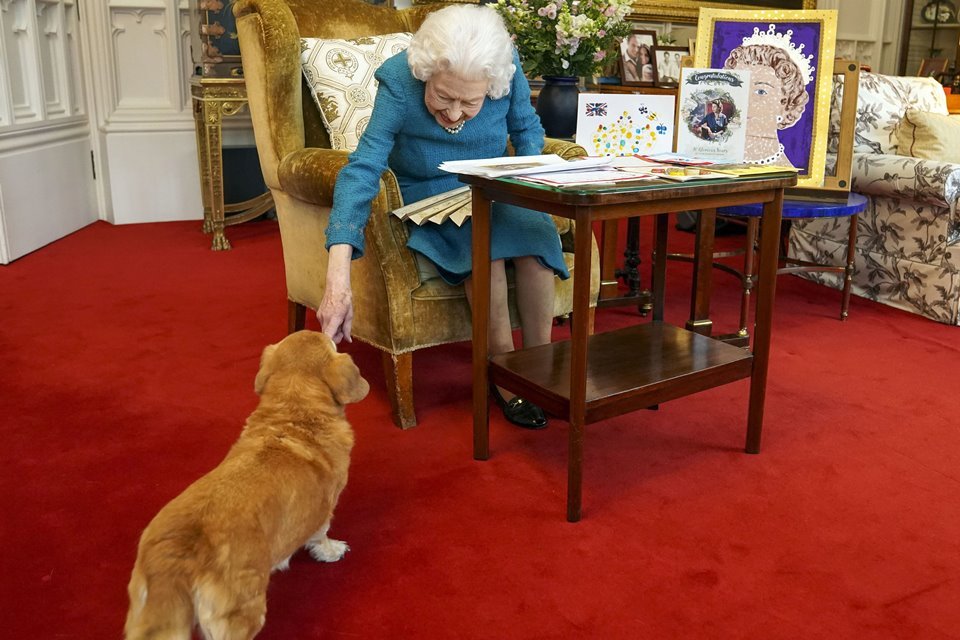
(713, 114)
(625, 124)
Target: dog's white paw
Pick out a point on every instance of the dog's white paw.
(283, 565)
(329, 550)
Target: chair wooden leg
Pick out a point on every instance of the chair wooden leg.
(296, 316)
(398, 375)
(848, 271)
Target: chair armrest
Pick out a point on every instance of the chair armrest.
(927, 181)
(563, 148)
(310, 174)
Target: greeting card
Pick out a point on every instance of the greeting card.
(713, 114)
(625, 124)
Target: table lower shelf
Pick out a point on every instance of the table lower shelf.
(627, 369)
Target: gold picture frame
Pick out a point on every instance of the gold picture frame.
(689, 10)
(802, 123)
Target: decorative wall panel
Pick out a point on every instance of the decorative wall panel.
(140, 47)
(19, 49)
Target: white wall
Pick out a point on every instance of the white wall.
(868, 31)
(144, 139)
(46, 178)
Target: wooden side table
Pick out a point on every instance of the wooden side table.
(214, 98)
(591, 378)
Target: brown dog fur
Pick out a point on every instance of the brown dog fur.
(207, 556)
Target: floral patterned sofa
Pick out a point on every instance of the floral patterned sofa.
(908, 243)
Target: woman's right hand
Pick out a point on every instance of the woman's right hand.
(336, 309)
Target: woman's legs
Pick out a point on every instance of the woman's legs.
(535, 300)
(535, 304)
(500, 334)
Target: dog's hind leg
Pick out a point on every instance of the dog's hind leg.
(159, 610)
(232, 607)
(326, 549)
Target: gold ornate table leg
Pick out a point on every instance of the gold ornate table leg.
(214, 99)
(212, 120)
(203, 145)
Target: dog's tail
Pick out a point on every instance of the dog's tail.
(160, 609)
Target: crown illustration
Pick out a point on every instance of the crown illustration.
(782, 41)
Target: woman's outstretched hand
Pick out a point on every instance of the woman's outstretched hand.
(336, 309)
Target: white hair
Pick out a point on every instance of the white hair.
(469, 41)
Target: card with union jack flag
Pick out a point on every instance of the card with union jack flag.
(625, 124)
(596, 109)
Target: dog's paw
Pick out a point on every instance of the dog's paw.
(329, 550)
(283, 565)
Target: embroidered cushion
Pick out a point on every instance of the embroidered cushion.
(930, 136)
(881, 103)
(340, 76)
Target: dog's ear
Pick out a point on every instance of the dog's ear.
(345, 381)
(265, 368)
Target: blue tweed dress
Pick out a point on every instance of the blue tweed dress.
(403, 136)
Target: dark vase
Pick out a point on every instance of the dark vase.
(557, 106)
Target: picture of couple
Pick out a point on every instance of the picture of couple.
(636, 58)
(643, 62)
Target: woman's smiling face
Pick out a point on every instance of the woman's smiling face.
(450, 99)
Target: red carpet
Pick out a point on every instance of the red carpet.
(128, 358)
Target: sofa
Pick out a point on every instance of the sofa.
(908, 242)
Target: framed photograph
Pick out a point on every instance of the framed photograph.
(669, 61)
(933, 67)
(637, 66)
(789, 55)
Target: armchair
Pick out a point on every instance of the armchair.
(398, 310)
(907, 253)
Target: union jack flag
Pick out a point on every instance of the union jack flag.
(596, 109)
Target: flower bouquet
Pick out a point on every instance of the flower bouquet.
(563, 37)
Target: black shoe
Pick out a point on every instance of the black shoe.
(520, 412)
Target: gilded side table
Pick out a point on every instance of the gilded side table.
(214, 98)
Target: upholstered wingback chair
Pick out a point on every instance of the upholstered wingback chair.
(908, 239)
(396, 309)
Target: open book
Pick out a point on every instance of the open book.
(454, 205)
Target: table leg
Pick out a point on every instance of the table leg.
(608, 263)
(203, 145)
(851, 264)
(699, 321)
(661, 225)
(213, 116)
(631, 260)
(746, 282)
(578, 368)
(481, 322)
(766, 289)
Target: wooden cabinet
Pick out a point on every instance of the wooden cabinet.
(931, 29)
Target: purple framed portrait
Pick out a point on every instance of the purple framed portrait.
(789, 55)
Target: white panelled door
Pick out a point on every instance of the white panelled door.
(46, 171)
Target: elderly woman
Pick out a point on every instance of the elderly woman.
(777, 100)
(457, 93)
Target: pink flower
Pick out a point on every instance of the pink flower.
(601, 33)
(599, 55)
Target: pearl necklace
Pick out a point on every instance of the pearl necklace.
(454, 130)
(768, 159)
